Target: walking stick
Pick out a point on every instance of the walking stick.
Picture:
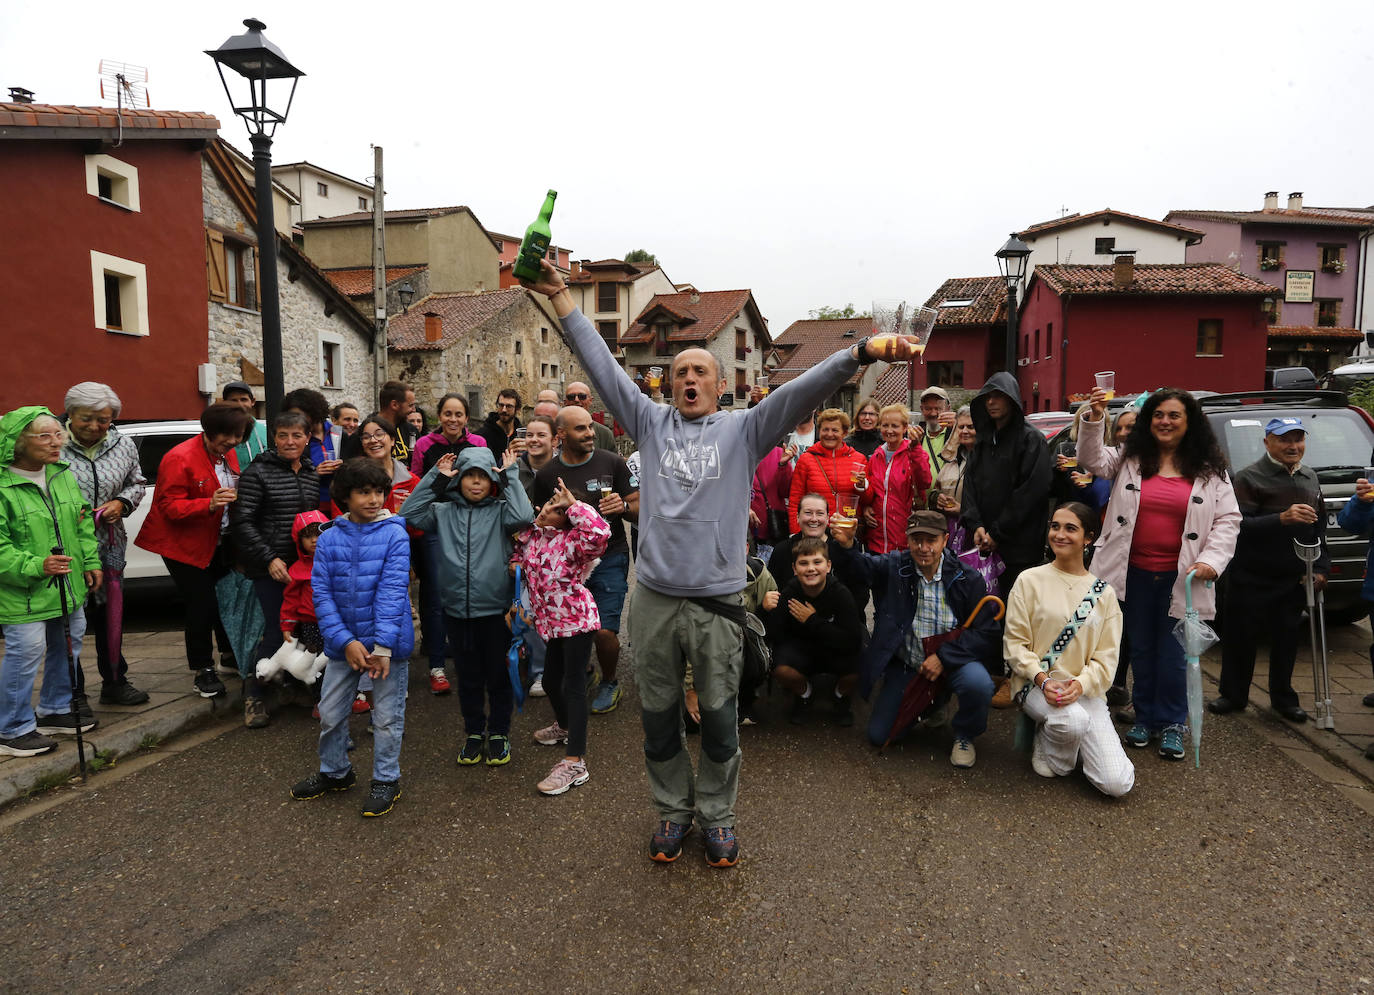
(71, 662)
(1316, 620)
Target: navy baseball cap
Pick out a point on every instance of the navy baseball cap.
(1282, 426)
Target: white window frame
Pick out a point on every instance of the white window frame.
(123, 176)
(327, 340)
(133, 297)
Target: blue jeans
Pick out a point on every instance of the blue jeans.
(27, 644)
(1160, 694)
(340, 687)
(971, 683)
(608, 585)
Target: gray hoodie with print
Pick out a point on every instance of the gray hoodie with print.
(696, 473)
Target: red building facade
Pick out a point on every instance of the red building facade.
(105, 252)
(968, 342)
(1197, 326)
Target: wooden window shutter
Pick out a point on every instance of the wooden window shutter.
(215, 266)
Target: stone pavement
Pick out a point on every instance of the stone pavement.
(157, 664)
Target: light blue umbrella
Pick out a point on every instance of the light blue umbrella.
(518, 626)
(1197, 638)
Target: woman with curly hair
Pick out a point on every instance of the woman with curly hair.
(1172, 511)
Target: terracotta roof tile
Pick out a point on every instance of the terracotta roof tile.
(605, 270)
(1107, 214)
(988, 295)
(698, 321)
(461, 313)
(891, 387)
(1308, 332)
(1153, 278)
(810, 340)
(134, 119)
(1337, 217)
(357, 282)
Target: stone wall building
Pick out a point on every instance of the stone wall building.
(474, 344)
(326, 342)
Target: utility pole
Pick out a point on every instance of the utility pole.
(378, 270)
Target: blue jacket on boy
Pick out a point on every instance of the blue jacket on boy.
(474, 538)
(361, 582)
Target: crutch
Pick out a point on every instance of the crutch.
(61, 582)
(1316, 620)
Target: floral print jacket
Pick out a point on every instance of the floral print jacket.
(556, 563)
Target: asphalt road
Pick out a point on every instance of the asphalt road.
(859, 872)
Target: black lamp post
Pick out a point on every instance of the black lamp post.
(1011, 261)
(257, 60)
(407, 294)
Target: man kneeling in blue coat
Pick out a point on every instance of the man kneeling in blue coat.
(921, 592)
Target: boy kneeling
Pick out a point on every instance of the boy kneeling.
(360, 579)
(815, 628)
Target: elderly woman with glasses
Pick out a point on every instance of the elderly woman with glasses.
(48, 563)
(105, 464)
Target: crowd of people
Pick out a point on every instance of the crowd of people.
(993, 574)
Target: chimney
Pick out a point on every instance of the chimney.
(695, 298)
(1123, 272)
(1295, 201)
(1271, 200)
(577, 267)
(434, 327)
(18, 95)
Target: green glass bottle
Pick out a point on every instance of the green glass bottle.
(535, 245)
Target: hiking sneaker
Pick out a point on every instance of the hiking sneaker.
(565, 774)
(537, 688)
(1138, 736)
(122, 693)
(801, 707)
(1039, 762)
(63, 724)
(207, 684)
(722, 848)
(666, 844)
(438, 681)
(607, 697)
(471, 753)
(361, 706)
(1171, 743)
(83, 705)
(317, 784)
(498, 750)
(551, 735)
(381, 799)
(844, 712)
(255, 713)
(963, 754)
(31, 744)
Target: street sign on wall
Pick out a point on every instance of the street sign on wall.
(1298, 285)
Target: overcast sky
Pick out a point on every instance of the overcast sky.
(815, 153)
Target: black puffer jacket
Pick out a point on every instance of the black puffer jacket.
(271, 495)
(1007, 482)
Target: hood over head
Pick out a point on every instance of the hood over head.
(13, 424)
(302, 520)
(478, 458)
(978, 407)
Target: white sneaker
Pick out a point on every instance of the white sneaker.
(537, 688)
(963, 754)
(1039, 763)
(565, 774)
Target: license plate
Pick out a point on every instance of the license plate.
(1331, 520)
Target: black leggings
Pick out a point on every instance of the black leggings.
(196, 585)
(565, 682)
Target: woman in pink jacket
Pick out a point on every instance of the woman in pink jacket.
(1172, 511)
(898, 476)
(769, 492)
(557, 553)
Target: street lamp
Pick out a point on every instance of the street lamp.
(407, 294)
(257, 60)
(1011, 261)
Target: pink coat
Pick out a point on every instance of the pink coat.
(555, 563)
(1209, 530)
(894, 487)
(772, 482)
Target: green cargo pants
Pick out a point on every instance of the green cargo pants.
(665, 633)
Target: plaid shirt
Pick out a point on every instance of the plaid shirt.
(933, 615)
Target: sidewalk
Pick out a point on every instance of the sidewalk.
(1336, 756)
(157, 664)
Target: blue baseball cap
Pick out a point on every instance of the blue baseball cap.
(1282, 426)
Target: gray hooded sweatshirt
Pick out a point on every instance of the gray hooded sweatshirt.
(696, 473)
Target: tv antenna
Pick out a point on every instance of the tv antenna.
(126, 85)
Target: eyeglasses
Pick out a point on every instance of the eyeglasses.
(376, 437)
(579, 397)
(46, 437)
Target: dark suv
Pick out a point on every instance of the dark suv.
(1340, 441)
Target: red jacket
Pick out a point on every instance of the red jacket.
(298, 600)
(180, 524)
(771, 486)
(894, 487)
(826, 472)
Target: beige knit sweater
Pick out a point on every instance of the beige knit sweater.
(1038, 608)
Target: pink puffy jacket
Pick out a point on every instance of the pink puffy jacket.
(1209, 530)
(894, 487)
(555, 563)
